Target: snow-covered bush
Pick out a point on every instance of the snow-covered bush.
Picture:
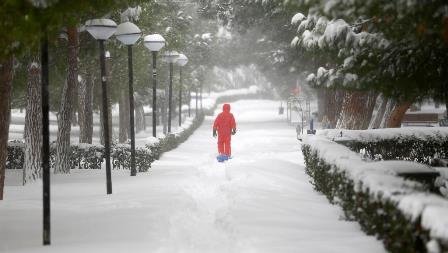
(410, 144)
(421, 145)
(86, 156)
(171, 141)
(121, 153)
(400, 212)
(16, 155)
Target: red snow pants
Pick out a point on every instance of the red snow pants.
(224, 147)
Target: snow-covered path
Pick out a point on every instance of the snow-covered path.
(260, 201)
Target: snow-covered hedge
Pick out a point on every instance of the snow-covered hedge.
(210, 102)
(86, 156)
(398, 211)
(171, 141)
(411, 144)
(91, 156)
(16, 155)
(121, 153)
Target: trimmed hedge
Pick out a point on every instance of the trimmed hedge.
(88, 156)
(173, 140)
(377, 215)
(121, 153)
(16, 155)
(91, 156)
(408, 148)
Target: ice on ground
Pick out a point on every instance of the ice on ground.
(259, 201)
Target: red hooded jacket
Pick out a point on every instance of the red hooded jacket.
(224, 123)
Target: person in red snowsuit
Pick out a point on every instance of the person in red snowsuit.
(225, 127)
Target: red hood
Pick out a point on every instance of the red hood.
(226, 108)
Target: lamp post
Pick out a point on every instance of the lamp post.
(154, 43)
(45, 142)
(170, 57)
(101, 30)
(182, 60)
(128, 33)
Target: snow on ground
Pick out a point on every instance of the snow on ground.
(260, 201)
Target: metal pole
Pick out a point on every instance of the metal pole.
(154, 91)
(170, 97)
(105, 118)
(45, 143)
(180, 96)
(131, 110)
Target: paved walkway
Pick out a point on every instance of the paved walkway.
(260, 201)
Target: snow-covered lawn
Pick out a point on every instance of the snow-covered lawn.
(260, 201)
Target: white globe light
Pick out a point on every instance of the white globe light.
(128, 33)
(154, 42)
(101, 29)
(171, 56)
(182, 60)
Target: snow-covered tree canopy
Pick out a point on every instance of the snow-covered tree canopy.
(378, 45)
(22, 22)
(398, 47)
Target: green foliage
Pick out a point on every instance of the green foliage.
(23, 22)
(121, 153)
(16, 155)
(86, 156)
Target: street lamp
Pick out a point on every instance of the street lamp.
(128, 34)
(45, 142)
(170, 57)
(101, 30)
(182, 60)
(154, 43)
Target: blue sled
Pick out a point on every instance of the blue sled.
(222, 158)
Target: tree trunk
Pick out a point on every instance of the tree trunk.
(85, 109)
(332, 105)
(397, 114)
(6, 76)
(376, 121)
(124, 116)
(165, 112)
(33, 125)
(139, 117)
(65, 111)
(321, 101)
(357, 110)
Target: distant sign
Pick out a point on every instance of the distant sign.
(295, 91)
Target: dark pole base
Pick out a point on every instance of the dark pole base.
(46, 143)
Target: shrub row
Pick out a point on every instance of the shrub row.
(411, 144)
(377, 213)
(407, 148)
(91, 156)
(88, 156)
